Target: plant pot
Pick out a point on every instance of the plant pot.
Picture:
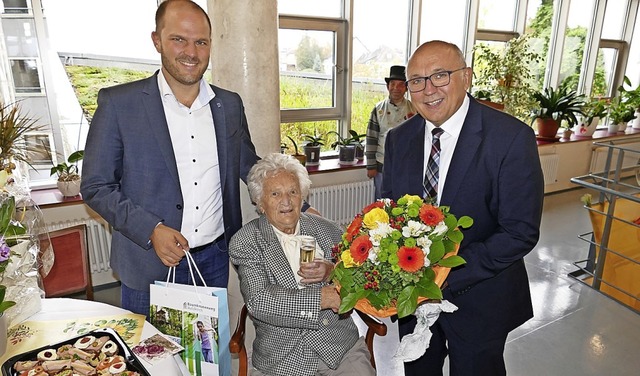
(547, 128)
(313, 155)
(359, 152)
(622, 126)
(612, 128)
(566, 134)
(347, 155)
(301, 158)
(69, 188)
(636, 121)
(586, 130)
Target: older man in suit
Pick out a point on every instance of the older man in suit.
(163, 162)
(489, 169)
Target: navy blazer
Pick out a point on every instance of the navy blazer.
(130, 176)
(494, 177)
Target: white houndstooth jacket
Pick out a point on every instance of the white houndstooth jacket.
(292, 333)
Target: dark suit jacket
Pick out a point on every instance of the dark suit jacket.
(494, 177)
(130, 176)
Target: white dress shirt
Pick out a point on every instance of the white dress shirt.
(448, 141)
(195, 148)
(291, 246)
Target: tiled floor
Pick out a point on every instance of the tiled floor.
(575, 331)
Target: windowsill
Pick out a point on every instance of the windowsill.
(599, 134)
(52, 197)
(332, 165)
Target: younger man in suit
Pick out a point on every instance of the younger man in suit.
(489, 169)
(163, 162)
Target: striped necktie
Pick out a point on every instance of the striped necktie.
(433, 166)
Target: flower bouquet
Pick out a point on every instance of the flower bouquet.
(395, 254)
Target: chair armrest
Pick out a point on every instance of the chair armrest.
(236, 344)
(373, 324)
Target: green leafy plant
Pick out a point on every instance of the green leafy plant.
(594, 107)
(620, 111)
(68, 171)
(559, 104)
(314, 139)
(356, 138)
(506, 75)
(295, 145)
(13, 126)
(340, 141)
(630, 96)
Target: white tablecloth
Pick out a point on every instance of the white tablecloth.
(65, 308)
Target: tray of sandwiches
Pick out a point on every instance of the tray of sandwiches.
(101, 352)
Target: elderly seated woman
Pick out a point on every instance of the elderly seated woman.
(293, 306)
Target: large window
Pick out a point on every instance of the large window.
(312, 60)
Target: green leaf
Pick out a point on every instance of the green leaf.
(348, 302)
(452, 261)
(6, 211)
(455, 235)
(450, 221)
(407, 301)
(436, 251)
(465, 221)
(428, 289)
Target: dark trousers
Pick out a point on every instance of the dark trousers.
(466, 358)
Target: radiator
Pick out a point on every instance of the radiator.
(549, 164)
(98, 241)
(342, 202)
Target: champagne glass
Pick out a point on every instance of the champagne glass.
(307, 248)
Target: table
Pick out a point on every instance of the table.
(64, 308)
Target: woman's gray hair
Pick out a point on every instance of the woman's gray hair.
(269, 166)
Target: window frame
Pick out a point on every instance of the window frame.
(338, 110)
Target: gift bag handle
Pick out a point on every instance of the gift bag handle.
(171, 275)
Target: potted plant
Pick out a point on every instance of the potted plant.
(620, 113)
(13, 126)
(299, 156)
(504, 78)
(357, 140)
(346, 150)
(593, 110)
(312, 148)
(631, 96)
(554, 107)
(68, 174)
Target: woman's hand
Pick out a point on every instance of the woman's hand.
(329, 298)
(317, 271)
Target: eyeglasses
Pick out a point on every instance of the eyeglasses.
(437, 79)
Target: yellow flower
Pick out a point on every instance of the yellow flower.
(412, 198)
(376, 215)
(347, 259)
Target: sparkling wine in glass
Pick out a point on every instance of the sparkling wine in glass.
(307, 248)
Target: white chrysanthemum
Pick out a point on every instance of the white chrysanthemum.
(426, 262)
(382, 231)
(387, 201)
(414, 229)
(373, 255)
(440, 229)
(425, 243)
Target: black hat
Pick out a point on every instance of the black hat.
(396, 73)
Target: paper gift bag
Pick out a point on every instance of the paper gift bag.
(197, 318)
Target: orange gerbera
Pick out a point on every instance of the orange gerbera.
(430, 215)
(354, 228)
(360, 249)
(410, 259)
(377, 204)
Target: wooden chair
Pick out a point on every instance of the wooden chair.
(71, 271)
(237, 345)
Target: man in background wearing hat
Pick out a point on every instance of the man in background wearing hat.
(386, 115)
